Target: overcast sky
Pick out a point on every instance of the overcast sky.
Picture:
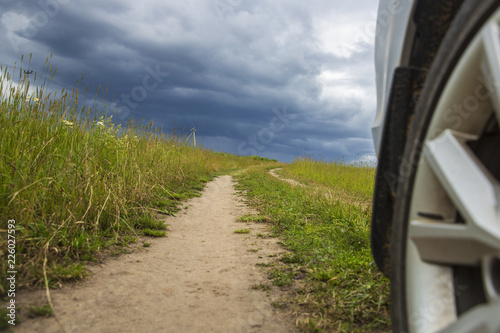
(279, 78)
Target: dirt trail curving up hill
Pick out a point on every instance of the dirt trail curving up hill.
(290, 181)
(197, 279)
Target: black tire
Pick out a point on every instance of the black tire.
(471, 17)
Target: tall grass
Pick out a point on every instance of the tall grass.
(356, 180)
(333, 283)
(76, 184)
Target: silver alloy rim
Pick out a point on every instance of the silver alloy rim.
(451, 179)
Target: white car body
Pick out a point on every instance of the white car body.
(393, 26)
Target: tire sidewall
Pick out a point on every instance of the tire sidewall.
(471, 17)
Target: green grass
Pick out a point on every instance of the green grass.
(79, 185)
(261, 286)
(154, 233)
(333, 282)
(253, 218)
(4, 320)
(242, 231)
(350, 182)
(40, 311)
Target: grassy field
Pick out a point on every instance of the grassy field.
(351, 182)
(329, 275)
(77, 186)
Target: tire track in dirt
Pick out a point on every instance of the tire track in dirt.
(197, 279)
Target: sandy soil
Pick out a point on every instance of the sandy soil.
(197, 279)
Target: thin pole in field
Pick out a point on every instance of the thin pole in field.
(193, 132)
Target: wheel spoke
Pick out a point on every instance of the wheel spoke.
(491, 67)
(481, 319)
(473, 190)
(456, 244)
(474, 193)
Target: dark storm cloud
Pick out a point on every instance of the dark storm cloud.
(222, 66)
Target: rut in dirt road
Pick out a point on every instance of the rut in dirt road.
(197, 279)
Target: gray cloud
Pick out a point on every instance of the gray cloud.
(229, 64)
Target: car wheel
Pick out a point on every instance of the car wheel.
(446, 232)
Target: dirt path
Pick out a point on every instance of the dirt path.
(197, 279)
(290, 181)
